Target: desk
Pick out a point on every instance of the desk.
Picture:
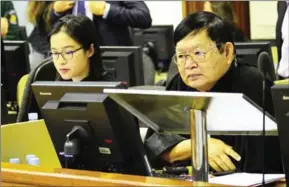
(24, 175)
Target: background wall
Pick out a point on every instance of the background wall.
(165, 12)
(263, 18)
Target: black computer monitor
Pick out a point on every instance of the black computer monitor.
(125, 63)
(109, 140)
(4, 77)
(280, 95)
(4, 110)
(16, 64)
(161, 36)
(249, 51)
(44, 90)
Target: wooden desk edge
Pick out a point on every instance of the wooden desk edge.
(29, 175)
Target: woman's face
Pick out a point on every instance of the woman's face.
(69, 57)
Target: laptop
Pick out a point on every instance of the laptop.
(32, 137)
(280, 93)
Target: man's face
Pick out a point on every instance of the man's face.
(199, 61)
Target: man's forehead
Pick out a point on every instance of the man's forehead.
(194, 40)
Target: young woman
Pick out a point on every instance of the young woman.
(76, 56)
(75, 50)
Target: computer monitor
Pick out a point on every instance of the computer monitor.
(109, 139)
(4, 110)
(44, 90)
(16, 64)
(125, 63)
(249, 51)
(161, 37)
(280, 95)
(4, 77)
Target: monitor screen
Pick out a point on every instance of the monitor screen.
(16, 64)
(161, 36)
(112, 140)
(125, 63)
(157, 42)
(249, 51)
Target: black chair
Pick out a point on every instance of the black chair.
(43, 72)
(23, 36)
(172, 71)
(23, 33)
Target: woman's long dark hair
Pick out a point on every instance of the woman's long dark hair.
(82, 30)
(38, 13)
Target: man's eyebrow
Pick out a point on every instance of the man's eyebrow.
(181, 49)
(187, 48)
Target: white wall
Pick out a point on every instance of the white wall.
(162, 12)
(165, 12)
(263, 18)
(20, 7)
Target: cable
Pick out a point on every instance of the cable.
(263, 62)
(263, 133)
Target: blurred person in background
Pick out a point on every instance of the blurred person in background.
(282, 39)
(38, 13)
(9, 21)
(112, 18)
(224, 9)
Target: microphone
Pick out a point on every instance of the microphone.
(264, 62)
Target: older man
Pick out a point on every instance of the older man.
(205, 57)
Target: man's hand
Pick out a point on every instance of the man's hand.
(218, 153)
(97, 7)
(63, 6)
(4, 26)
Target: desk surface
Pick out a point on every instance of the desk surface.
(24, 175)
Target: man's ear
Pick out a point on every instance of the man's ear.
(91, 50)
(229, 52)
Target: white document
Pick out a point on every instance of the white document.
(245, 179)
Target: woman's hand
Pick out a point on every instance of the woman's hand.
(63, 6)
(218, 155)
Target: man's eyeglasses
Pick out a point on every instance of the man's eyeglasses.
(197, 56)
(66, 55)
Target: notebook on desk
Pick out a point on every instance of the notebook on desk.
(32, 137)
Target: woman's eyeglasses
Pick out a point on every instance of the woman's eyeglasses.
(66, 55)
